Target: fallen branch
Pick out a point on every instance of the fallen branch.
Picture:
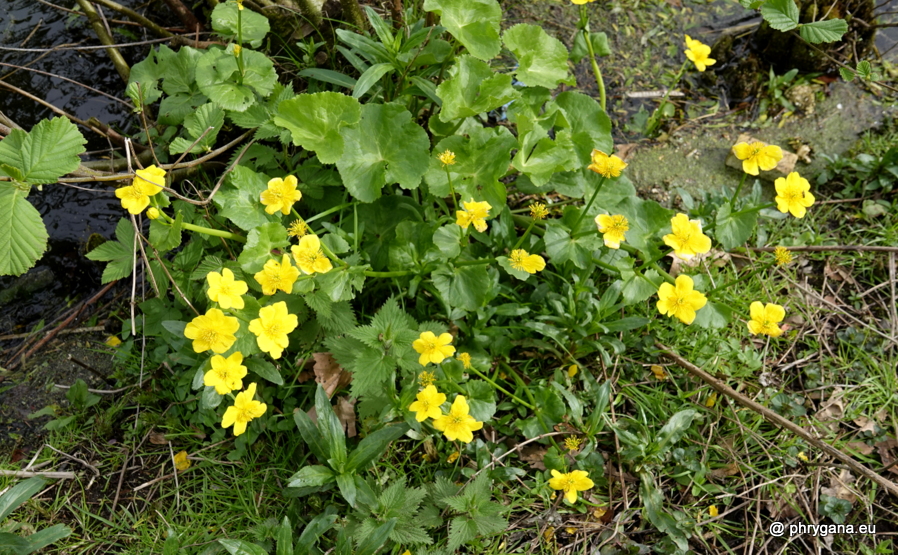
(778, 420)
(156, 29)
(63, 332)
(121, 66)
(27, 474)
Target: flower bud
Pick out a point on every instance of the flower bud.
(152, 212)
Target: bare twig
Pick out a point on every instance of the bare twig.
(777, 420)
(55, 76)
(27, 474)
(90, 329)
(76, 459)
(156, 29)
(121, 66)
(515, 449)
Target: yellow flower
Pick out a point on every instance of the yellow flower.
(240, 5)
(182, 463)
(698, 54)
(447, 158)
(237, 49)
(712, 510)
(572, 443)
(280, 195)
(680, 301)
(453, 457)
(802, 456)
(426, 378)
(133, 200)
(465, 359)
(659, 372)
(226, 374)
(150, 180)
(474, 213)
(224, 290)
(432, 348)
(571, 483)
(612, 229)
(277, 275)
(783, 256)
(538, 211)
(608, 166)
(298, 228)
(153, 213)
(428, 404)
(309, 257)
(757, 155)
(212, 330)
(458, 424)
(792, 195)
(245, 408)
(581, 2)
(521, 260)
(572, 370)
(764, 319)
(271, 328)
(687, 239)
(407, 552)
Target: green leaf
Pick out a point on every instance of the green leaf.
(310, 434)
(828, 30)
(331, 430)
(675, 428)
(240, 547)
(49, 151)
(217, 76)
(542, 59)
(847, 73)
(599, 45)
(346, 483)
(164, 236)
(589, 124)
(372, 542)
(313, 530)
(638, 287)
(506, 265)
(23, 236)
(264, 370)
(206, 116)
(146, 75)
(448, 240)
(653, 503)
(386, 147)
(119, 253)
(864, 69)
(373, 447)
(475, 23)
(562, 248)
(254, 26)
(782, 15)
(473, 88)
(370, 78)
(315, 120)
(178, 69)
(311, 476)
(18, 494)
(329, 76)
(259, 243)
(713, 316)
(47, 536)
(239, 202)
(647, 218)
(540, 157)
(734, 228)
(465, 287)
(481, 399)
(284, 538)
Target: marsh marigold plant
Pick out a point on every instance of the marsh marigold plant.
(613, 229)
(212, 331)
(432, 348)
(458, 424)
(757, 155)
(428, 404)
(792, 195)
(571, 483)
(686, 237)
(225, 290)
(280, 195)
(680, 301)
(474, 213)
(272, 327)
(244, 410)
(605, 165)
(226, 374)
(764, 319)
(699, 54)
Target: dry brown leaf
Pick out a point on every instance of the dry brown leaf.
(779, 509)
(158, 438)
(860, 446)
(839, 487)
(624, 151)
(533, 455)
(329, 373)
(713, 257)
(885, 453)
(345, 410)
(430, 451)
(833, 408)
(865, 424)
(838, 273)
(729, 470)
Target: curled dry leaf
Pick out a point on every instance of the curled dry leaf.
(533, 455)
(729, 470)
(158, 438)
(713, 257)
(839, 487)
(329, 373)
(886, 454)
(345, 410)
(860, 447)
(865, 424)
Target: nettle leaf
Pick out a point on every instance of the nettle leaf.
(254, 26)
(315, 121)
(259, 244)
(23, 236)
(782, 15)
(828, 30)
(589, 124)
(542, 59)
(196, 123)
(239, 201)
(217, 77)
(43, 155)
(846, 73)
(386, 147)
(481, 159)
(119, 253)
(465, 287)
(475, 23)
(734, 228)
(473, 88)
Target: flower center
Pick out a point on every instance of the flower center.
(425, 405)
(455, 419)
(793, 196)
(208, 336)
(273, 329)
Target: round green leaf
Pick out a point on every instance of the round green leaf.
(475, 23)
(315, 120)
(542, 59)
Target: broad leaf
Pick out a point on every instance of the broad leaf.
(240, 547)
(713, 316)
(782, 15)
(18, 494)
(373, 446)
(23, 236)
(265, 370)
(370, 78)
(473, 88)
(589, 124)
(465, 287)
(217, 75)
(475, 23)
(259, 244)
(331, 430)
(315, 121)
(311, 476)
(197, 122)
(119, 253)
(386, 147)
(540, 157)
(254, 26)
(562, 248)
(49, 151)
(828, 30)
(542, 59)
(734, 228)
(48, 536)
(239, 201)
(599, 45)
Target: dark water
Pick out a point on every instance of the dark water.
(71, 215)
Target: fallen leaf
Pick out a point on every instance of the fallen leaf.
(430, 451)
(329, 373)
(833, 408)
(839, 487)
(860, 446)
(345, 410)
(624, 151)
(729, 470)
(17, 455)
(885, 453)
(157, 438)
(865, 424)
(533, 455)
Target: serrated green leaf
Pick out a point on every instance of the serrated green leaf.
(471, 88)
(847, 73)
(173, 109)
(828, 30)
(782, 15)
(146, 74)
(259, 243)
(23, 236)
(239, 200)
(178, 69)
(216, 75)
(197, 122)
(542, 59)
(864, 69)
(254, 26)
(49, 151)
(465, 287)
(119, 253)
(386, 147)
(475, 23)
(315, 121)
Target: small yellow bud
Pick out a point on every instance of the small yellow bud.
(447, 158)
(712, 510)
(152, 213)
(572, 371)
(237, 49)
(452, 458)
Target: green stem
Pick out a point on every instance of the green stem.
(240, 42)
(451, 192)
(502, 389)
(736, 194)
(333, 256)
(589, 204)
(656, 114)
(526, 233)
(205, 230)
(592, 56)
